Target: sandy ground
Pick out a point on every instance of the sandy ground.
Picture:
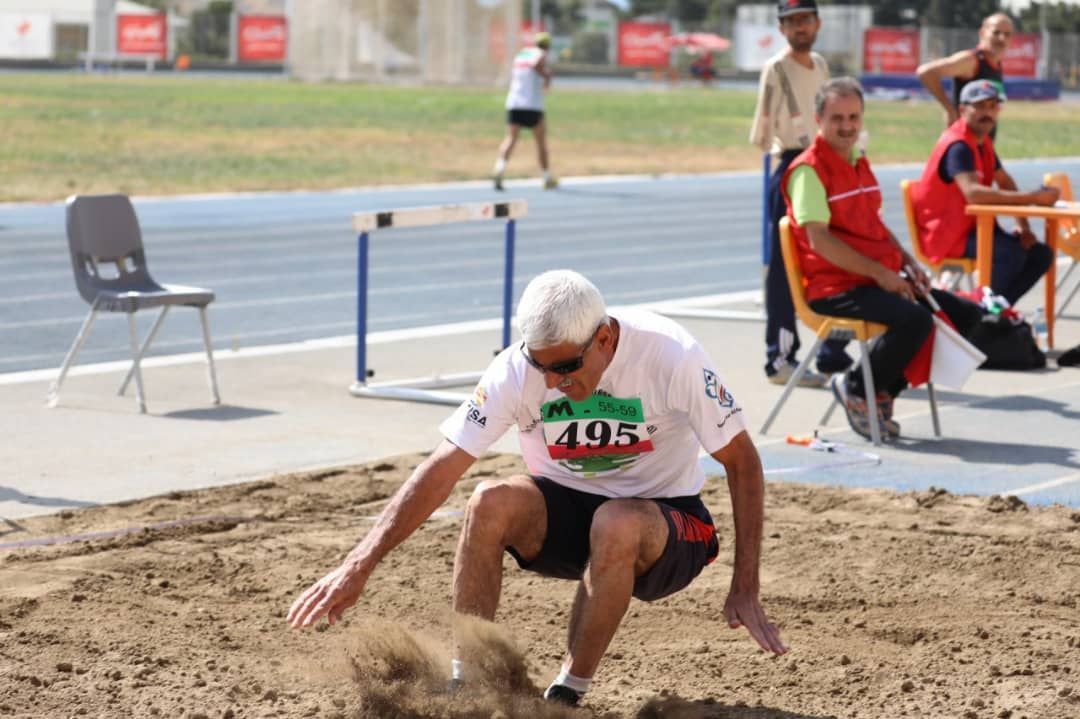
(894, 605)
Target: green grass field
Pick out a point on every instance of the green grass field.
(144, 135)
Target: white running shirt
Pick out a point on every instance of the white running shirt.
(526, 84)
(658, 403)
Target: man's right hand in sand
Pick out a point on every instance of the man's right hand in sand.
(329, 597)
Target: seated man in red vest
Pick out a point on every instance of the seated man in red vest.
(963, 168)
(853, 265)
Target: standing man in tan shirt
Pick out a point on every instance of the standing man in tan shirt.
(784, 127)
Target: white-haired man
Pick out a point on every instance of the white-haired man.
(611, 412)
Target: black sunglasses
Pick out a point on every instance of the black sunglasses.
(566, 366)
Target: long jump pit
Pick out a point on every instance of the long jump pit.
(918, 604)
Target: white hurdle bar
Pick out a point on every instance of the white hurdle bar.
(425, 389)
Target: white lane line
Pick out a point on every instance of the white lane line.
(232, 338)
(705, 237)
(1049, 484)
(373, 338)
(350, 293)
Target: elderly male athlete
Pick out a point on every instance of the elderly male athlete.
(611, 412)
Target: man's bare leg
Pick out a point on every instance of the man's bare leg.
(540, 134)
(500, 514)
(627, 538)
(505, 149)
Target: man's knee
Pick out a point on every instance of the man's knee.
(914, 321)
(922, 322)
(627, 531)
(1040, 256)
(496, 505)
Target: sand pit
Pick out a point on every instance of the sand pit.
(916, 605)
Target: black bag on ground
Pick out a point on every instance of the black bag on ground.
(1006, 344)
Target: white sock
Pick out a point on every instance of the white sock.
(457, 669)
(500, 166)
(578, 684)
(547, 175)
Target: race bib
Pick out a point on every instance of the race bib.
(600, 434)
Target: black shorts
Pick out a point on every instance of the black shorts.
(691, 542)
(525, 118)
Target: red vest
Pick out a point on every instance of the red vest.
(854, 218)
(939, 205)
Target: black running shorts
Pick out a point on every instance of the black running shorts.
(525, 118)
(691, 542)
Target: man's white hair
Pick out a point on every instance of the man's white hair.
(559, 306)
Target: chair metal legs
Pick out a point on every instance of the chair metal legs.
(1076, 288)
(137, 356)
(53, 397)
(933, 408)
(871, 393)
(137, 353)
(209, 355)
(868, 388)
(133, 333)
(864, 361)
(792, 382)
(868, 379)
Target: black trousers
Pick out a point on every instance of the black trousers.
(781, 336)
(909, 325)
(1014, 270)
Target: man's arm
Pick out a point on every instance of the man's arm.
(843, 256)
(1005, 193)
(914, 272)
(427, 488)
(544, 71)
(746, 484)
(959, 64)
(1023, 228)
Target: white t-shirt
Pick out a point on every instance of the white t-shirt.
(639, 435)
(526, 84)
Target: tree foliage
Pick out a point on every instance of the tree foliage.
(1059, 17)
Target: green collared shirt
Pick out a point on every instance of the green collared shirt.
(809, 201)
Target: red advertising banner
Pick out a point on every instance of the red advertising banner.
(891, 51)
(644, 44)
(262, 38)
(142, 35)
(1022, 57)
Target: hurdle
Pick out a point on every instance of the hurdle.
(426, 389)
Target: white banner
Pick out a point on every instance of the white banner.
(26, 37)
(755, 44)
